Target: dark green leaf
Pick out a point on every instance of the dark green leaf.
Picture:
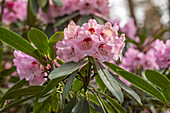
(83, 19)
(136, 81)
(65, 19)
(128, 89)
(109, 81)
(45, 9)
(108, 107)
(53, 83)
(58, 3)
(16, 103)
(58, 36)
(70, 105)
(78, 84)
(99, 80)
(16, 41)
(42, 3)
(68, 85)
(31, 90)
(117, 106)
(39, 39)
(54, 101)
(157, 79)
(34, 6)
(166, 93)
(49, 31)
(66, 69)
(82, 107)
(18, 85)
(31, 19)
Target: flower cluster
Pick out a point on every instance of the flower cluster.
(92, 39)
(157, 57)
(84, 7)
(29, 68)
(14, 10)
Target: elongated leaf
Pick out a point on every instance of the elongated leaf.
(97, 100)
(54, 102)
(116, 105)
(99, 80)
(53, 83)
(31, 18)
(136, 81)
(82, 107)
(128, 89)
(16, 103)
(34, 6)
(64, 19)
(58, 36)
(16, 41)
(108, 107)
(109, 81)
(18, 85)
(84, 19)
(22, 92)
(166, 93)
(157, 79)
(42, 3)
(68, 85)
(66, 69)
(70, 105)
(78, 84)
(39, 39)
(58, 3)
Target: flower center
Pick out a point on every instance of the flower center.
(87, 43)
(102, 50)
(91, 30)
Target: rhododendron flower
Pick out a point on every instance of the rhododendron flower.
(84, 7)
(14, 10)
(92, 39)
(130, 28)
(29, 68)
(162, 53)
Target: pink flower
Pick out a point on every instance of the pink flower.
(133, 59)
(162, 53)
(130, 29)
(14, 10)
(92, 39)
(28, 68)
(150, 60)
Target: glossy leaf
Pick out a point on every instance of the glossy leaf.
(16, 41)
(17, 102)
(82, 107)
(109, 81)
(39, 39)
(70, 105)
(166, 93)
(31, 18)
(84, 19)
(116, 105)
(58, 3)
(18, 85)
(68, 85)
(66, 69)
(157, 79)
(54, 102)
(128, 90)
(34, 6)
(78, 84)
(99, 80)
(31, 90)
(136, 81)
(108, 107)
(42, 3)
